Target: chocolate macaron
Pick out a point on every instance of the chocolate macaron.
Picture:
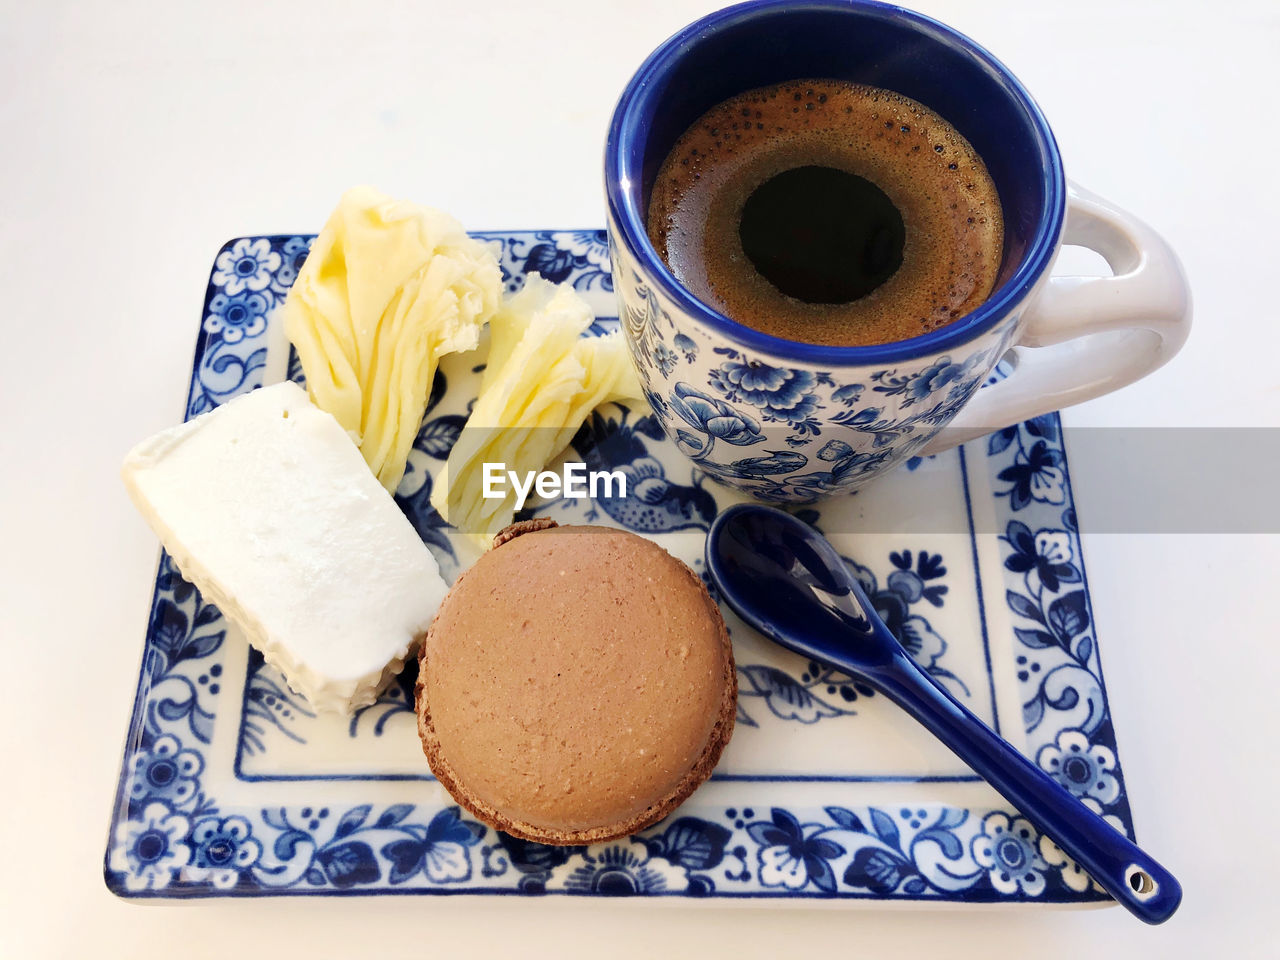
(577, 684)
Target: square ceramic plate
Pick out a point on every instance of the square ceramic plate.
(232, 786)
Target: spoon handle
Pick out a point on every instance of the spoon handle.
(1146, 889)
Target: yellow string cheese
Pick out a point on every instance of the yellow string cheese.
(542, 380)
(388, 288)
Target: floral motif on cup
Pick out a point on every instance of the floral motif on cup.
(713, 418)
(665, 358)
(687, 347)
(914, 387)
(859, 428)
(846, 463)
(781, 394)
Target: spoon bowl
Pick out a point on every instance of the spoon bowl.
(788, 582)
(791, 585)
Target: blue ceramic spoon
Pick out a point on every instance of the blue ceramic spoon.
(785, 580)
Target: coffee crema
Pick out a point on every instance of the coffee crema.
(830, 213)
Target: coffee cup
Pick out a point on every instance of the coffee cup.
(793, 421)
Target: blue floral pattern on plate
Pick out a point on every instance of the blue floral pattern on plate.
(185, 824)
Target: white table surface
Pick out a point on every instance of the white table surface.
(136, 138)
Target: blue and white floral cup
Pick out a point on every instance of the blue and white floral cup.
(790, 421)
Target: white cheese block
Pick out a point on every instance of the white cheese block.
(267, 506)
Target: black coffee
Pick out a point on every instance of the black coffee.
(828, 212)
(822, 235)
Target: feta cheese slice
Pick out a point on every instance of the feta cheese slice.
(267, 506)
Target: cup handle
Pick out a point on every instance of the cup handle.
(1105, 332)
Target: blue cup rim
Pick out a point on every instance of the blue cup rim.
(622, 194)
